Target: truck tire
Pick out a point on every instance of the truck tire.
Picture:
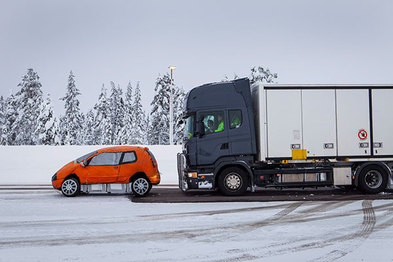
(70, 187)
(372, 179)
(233, 181)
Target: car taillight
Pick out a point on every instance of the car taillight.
(153, 159)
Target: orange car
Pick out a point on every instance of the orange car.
(135, 167)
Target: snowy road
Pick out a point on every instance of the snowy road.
(42, 225)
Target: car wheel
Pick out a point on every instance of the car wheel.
(141, 186)
(233, 181)
(70, 187)
(373, 179)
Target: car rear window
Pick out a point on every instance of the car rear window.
(129, 157)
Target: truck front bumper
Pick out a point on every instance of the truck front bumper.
(192, 179)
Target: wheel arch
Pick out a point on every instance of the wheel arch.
(138, 175)
(239, 164)
(72, 176)
(360, 168)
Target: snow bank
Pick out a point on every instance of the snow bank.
(37, 164)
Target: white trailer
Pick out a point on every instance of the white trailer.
(326, 121)
(340, 124)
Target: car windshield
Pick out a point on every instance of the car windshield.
(189, 127)
(79, 159)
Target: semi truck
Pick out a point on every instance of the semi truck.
(240, 136)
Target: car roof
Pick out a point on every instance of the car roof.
(121, 149)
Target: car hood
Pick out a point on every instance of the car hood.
(67, 169)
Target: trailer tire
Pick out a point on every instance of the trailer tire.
(373, 179)
(233, 181)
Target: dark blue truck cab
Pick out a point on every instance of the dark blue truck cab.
(219, 137)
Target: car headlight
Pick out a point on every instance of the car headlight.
(54, 177)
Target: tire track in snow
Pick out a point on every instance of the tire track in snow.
(367, 226)
(369, 220)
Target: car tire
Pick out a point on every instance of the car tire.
(141, 186)
(373, 179)
(70, 187)
(233, 181)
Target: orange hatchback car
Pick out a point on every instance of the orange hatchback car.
(135, 168)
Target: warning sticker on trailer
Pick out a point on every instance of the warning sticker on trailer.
(362, 134)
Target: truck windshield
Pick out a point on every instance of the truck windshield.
(189, 127)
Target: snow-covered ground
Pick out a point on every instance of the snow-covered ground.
(37, 164)
(45, 226)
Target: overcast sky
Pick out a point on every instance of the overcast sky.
(100, 41)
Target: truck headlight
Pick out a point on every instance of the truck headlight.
(192, 174)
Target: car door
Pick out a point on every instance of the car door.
(128, 166)
(103, 168)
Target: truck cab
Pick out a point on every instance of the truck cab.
(219, 129)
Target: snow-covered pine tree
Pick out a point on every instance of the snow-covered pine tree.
(71, 123)
(102, 127)
(126, 133)
(116, 113)
(259, 73)
(3, 126)
(88, 129)
(11, 114)
(46, 124)
(159, 116)
(178, 112)
(139, 124)
(28, 103)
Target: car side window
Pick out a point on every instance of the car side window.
(235, 118)
(129, 157)
(105, 159)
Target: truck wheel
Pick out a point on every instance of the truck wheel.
(141, 186)
(233, 181)
(70, 187)
(373, 179)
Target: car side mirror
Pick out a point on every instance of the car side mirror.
(84, 163)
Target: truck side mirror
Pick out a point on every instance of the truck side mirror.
(201, 128)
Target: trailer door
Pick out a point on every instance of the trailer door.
(382, 111)
(284, 126)
(353, 122)
(319, 123)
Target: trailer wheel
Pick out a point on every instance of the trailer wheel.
(70, 187)
(373, 179)
(233, 181)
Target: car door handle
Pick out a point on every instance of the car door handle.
(116, 167)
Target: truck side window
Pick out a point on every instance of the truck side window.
(235, 118)
(213, 122)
